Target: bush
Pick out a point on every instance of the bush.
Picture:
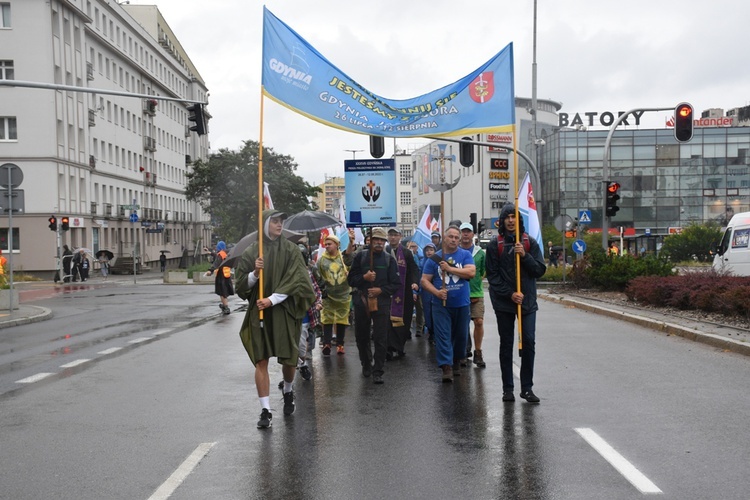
(198, 268)
(708, 291)
(609, 272)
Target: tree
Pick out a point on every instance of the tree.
(695, 240)
(226, 186)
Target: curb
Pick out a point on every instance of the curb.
(38, 314)
(660, 326)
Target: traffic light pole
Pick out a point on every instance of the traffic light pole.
(605, 169)
(89, 90)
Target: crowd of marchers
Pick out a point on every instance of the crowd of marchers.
(385, 285)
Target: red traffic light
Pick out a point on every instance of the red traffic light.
(65, 223)
(683, 122)
(684, 110)
(612, 187)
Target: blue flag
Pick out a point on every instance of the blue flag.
(297, 76)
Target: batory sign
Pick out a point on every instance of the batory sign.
(297, 76)
(594, 118)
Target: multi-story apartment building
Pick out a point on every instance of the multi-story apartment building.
(331, 195)
(91, 156)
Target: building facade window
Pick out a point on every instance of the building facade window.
(6, 70)
(4, 239)
(404, 174)
(8, 129)
(4, 15)
(406, 217)
(406, 198)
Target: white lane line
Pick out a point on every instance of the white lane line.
(33, 378)
(75, 363)
(183, 471)
(161, 332)
(138, 341)
(620, 463)
(110, 350)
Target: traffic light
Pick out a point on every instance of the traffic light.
(612, 197)
(52, 223)
(466, 152)
(65, 223)
(197, 116)
(683, 122)
(480, 227)
(377, 146)
(473, 221)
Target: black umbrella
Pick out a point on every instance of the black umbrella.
(251, 238)
(165, 251)
(109, 254)
(309, 221)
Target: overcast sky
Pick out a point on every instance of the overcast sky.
(592, 55)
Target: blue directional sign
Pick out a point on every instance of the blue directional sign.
(134, 217)
(584, 217)
(579, 246)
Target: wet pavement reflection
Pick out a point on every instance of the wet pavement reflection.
(413, 437)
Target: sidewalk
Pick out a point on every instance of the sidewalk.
(30, 291)
(714, 334)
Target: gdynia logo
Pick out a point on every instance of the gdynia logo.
(289, 72)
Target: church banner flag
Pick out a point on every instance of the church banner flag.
(297, 76)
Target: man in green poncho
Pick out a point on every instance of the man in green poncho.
(287, 295)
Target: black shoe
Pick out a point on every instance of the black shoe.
(464, 362)
(377, 379)
(529, 396)
(508, 397)
(456, 369)
(366, 370)
(327, 350)
(389, 356)
(288, 403)
(304, 370)
(265, 419)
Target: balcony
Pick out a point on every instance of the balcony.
(108, 209)
(149, 178)
(93, 208)
(89, 71)
(92, 118)
(149, 143)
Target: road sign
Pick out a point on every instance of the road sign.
(579, 246)
(648, 231)
(10, 172)
(133, 217)
(584, 217)
(563, 222)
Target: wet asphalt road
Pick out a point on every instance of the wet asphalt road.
(120, 427)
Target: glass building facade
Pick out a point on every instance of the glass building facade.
(664, 184)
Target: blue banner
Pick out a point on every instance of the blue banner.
(370, 193)
(297, 76)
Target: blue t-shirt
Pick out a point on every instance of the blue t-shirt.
(458, 288)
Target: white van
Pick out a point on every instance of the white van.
(733, 253)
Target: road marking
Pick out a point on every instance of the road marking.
(33, 378)
(183, 471)
(138, 341)
(75, 363)
(110, 350)
(161, 332)
(619, 462)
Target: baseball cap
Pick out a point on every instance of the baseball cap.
(467, 225)
(394, 230)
